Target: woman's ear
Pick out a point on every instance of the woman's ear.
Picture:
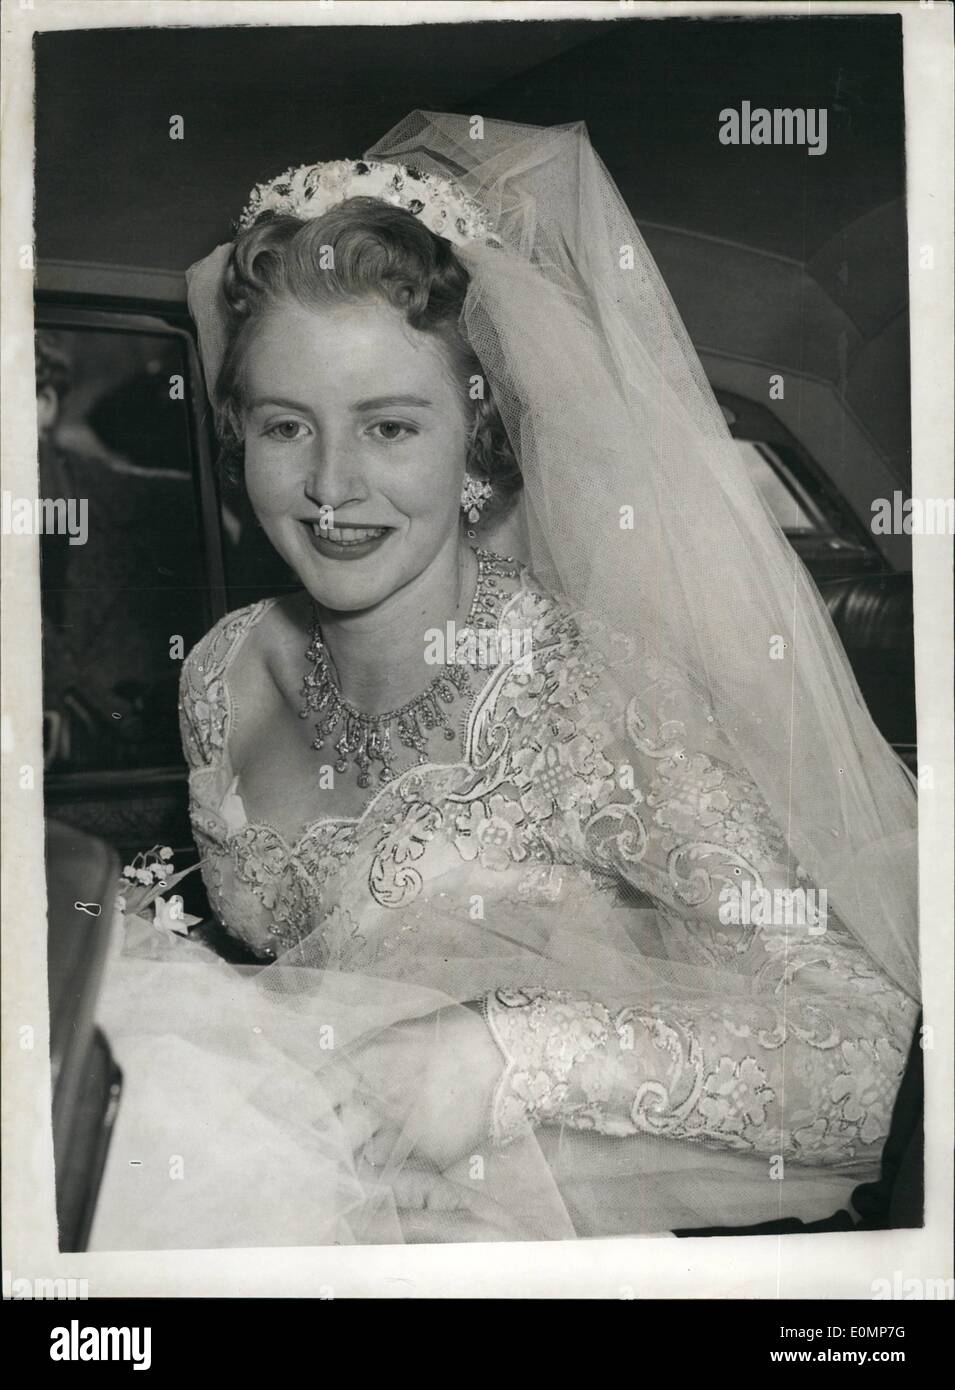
(490, 457)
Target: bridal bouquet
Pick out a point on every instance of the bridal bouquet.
(151, 921)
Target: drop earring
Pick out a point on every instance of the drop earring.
(475, 496)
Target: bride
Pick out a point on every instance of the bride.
(494, 826)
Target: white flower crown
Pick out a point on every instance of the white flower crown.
(311, 189)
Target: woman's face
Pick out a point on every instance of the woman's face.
(355, 447)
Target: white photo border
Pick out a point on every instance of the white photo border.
(766, 1267)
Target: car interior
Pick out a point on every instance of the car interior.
(772, 282)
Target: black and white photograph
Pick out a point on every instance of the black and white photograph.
(481, 756)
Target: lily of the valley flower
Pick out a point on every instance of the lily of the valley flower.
(143, 882)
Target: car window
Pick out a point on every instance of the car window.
(126, 594)
(767, 471)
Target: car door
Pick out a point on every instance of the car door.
(125, 598)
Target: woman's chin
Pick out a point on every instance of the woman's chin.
(351, 594)
(348, 579)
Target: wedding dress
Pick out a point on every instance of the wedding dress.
(676, 1070)
(664, 1065)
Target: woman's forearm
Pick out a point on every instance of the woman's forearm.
(726, 1077)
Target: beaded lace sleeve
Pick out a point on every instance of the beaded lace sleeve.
(196, 721)
(203, 696)
(800, 1058)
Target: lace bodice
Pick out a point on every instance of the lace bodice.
(638, 802)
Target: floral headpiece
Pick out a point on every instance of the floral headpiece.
(310, 190)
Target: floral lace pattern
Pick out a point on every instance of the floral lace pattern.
(638, 800)
(705, 1076)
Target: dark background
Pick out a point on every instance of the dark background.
(112, 186)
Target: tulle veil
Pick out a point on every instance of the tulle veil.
(605, 396)
(638, 511)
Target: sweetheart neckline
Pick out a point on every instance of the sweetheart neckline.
(310, 827)
(293, 846)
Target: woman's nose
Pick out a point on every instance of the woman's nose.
(333, 478)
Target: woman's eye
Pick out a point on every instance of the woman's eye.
(286, 430)
(392, 430)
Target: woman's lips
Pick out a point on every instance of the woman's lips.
(345, 542)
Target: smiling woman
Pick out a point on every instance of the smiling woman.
(498, 999)
(336, 462)
(360, 252)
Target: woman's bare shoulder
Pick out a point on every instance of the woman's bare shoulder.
(265, 670)
(215, 649)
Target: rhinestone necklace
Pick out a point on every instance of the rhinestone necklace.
(370, 738)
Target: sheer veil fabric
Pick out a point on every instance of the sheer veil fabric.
(608, 406)
(608, 409)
